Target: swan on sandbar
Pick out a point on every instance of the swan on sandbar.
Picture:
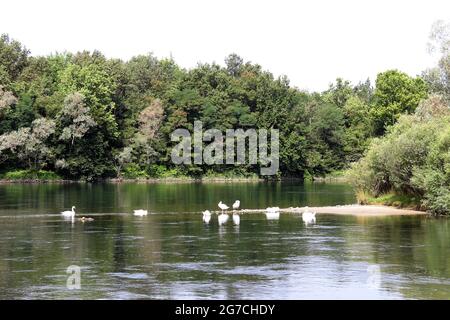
(236, 205)
(273, 213)
(206, 216)
(308, 217)
(69, 213)
(140, 212)
(223, 206)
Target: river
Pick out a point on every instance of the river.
(172, 254)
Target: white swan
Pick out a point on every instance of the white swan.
(223, 206)
(223, 218)
(308, 217)
(236, 205)
(140, 212)
(273, 213)
(206, 216)
(236, 219)
(69, 213)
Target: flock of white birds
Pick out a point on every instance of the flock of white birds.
(272, 213)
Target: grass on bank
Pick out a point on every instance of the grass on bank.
(390, 199)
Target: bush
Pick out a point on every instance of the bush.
(411, 162)
(30, 175)
(434, 177)
(161, 171)
(133, 171)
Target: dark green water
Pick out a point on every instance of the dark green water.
(172, 254)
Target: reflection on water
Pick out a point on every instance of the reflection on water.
(172, 254)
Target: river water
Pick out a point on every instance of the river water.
(172, 254)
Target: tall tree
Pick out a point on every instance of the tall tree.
(13, 59)
(396, 93)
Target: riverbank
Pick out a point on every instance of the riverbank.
(354, 209)
(335, 176)
(36, 181)
(149, 180)
(152, 180)
(176, 180)
(42, 176)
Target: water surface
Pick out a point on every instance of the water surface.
(172, 254)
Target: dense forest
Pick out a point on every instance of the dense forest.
(84, 116)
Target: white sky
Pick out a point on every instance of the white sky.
(312, 42)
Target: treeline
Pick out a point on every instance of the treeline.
(411, 163)
(84, 116)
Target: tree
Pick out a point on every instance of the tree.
(93, 82)
(440, 37)
(75, 117)
(411, 160)
(150, 119)
(438, 78)
(234, 63)
(16, 113)
(121, 159)
(6, 99)
(13, 59)
(84, 148)
(432, 107)
(364, 91)
(325, 137)
(339, 92)
(358, 129)
(29, 144)
(395, 93)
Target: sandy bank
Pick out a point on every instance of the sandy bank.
(356, 210)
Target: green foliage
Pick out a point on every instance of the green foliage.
(94, 83)
(161, 171)
(412, 160)
(359, 128)
(133, 171)
(434, 176)
(392, 199)
(30, 175)
(18, 115)
(396, 93)
(13, 59)
(114, 118)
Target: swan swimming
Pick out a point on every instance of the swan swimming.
(273, 213)
(140, 212)
(236, 205)
(236, 219)
(308, 217)
(223, 206)
(69, 213)
(206, 216)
